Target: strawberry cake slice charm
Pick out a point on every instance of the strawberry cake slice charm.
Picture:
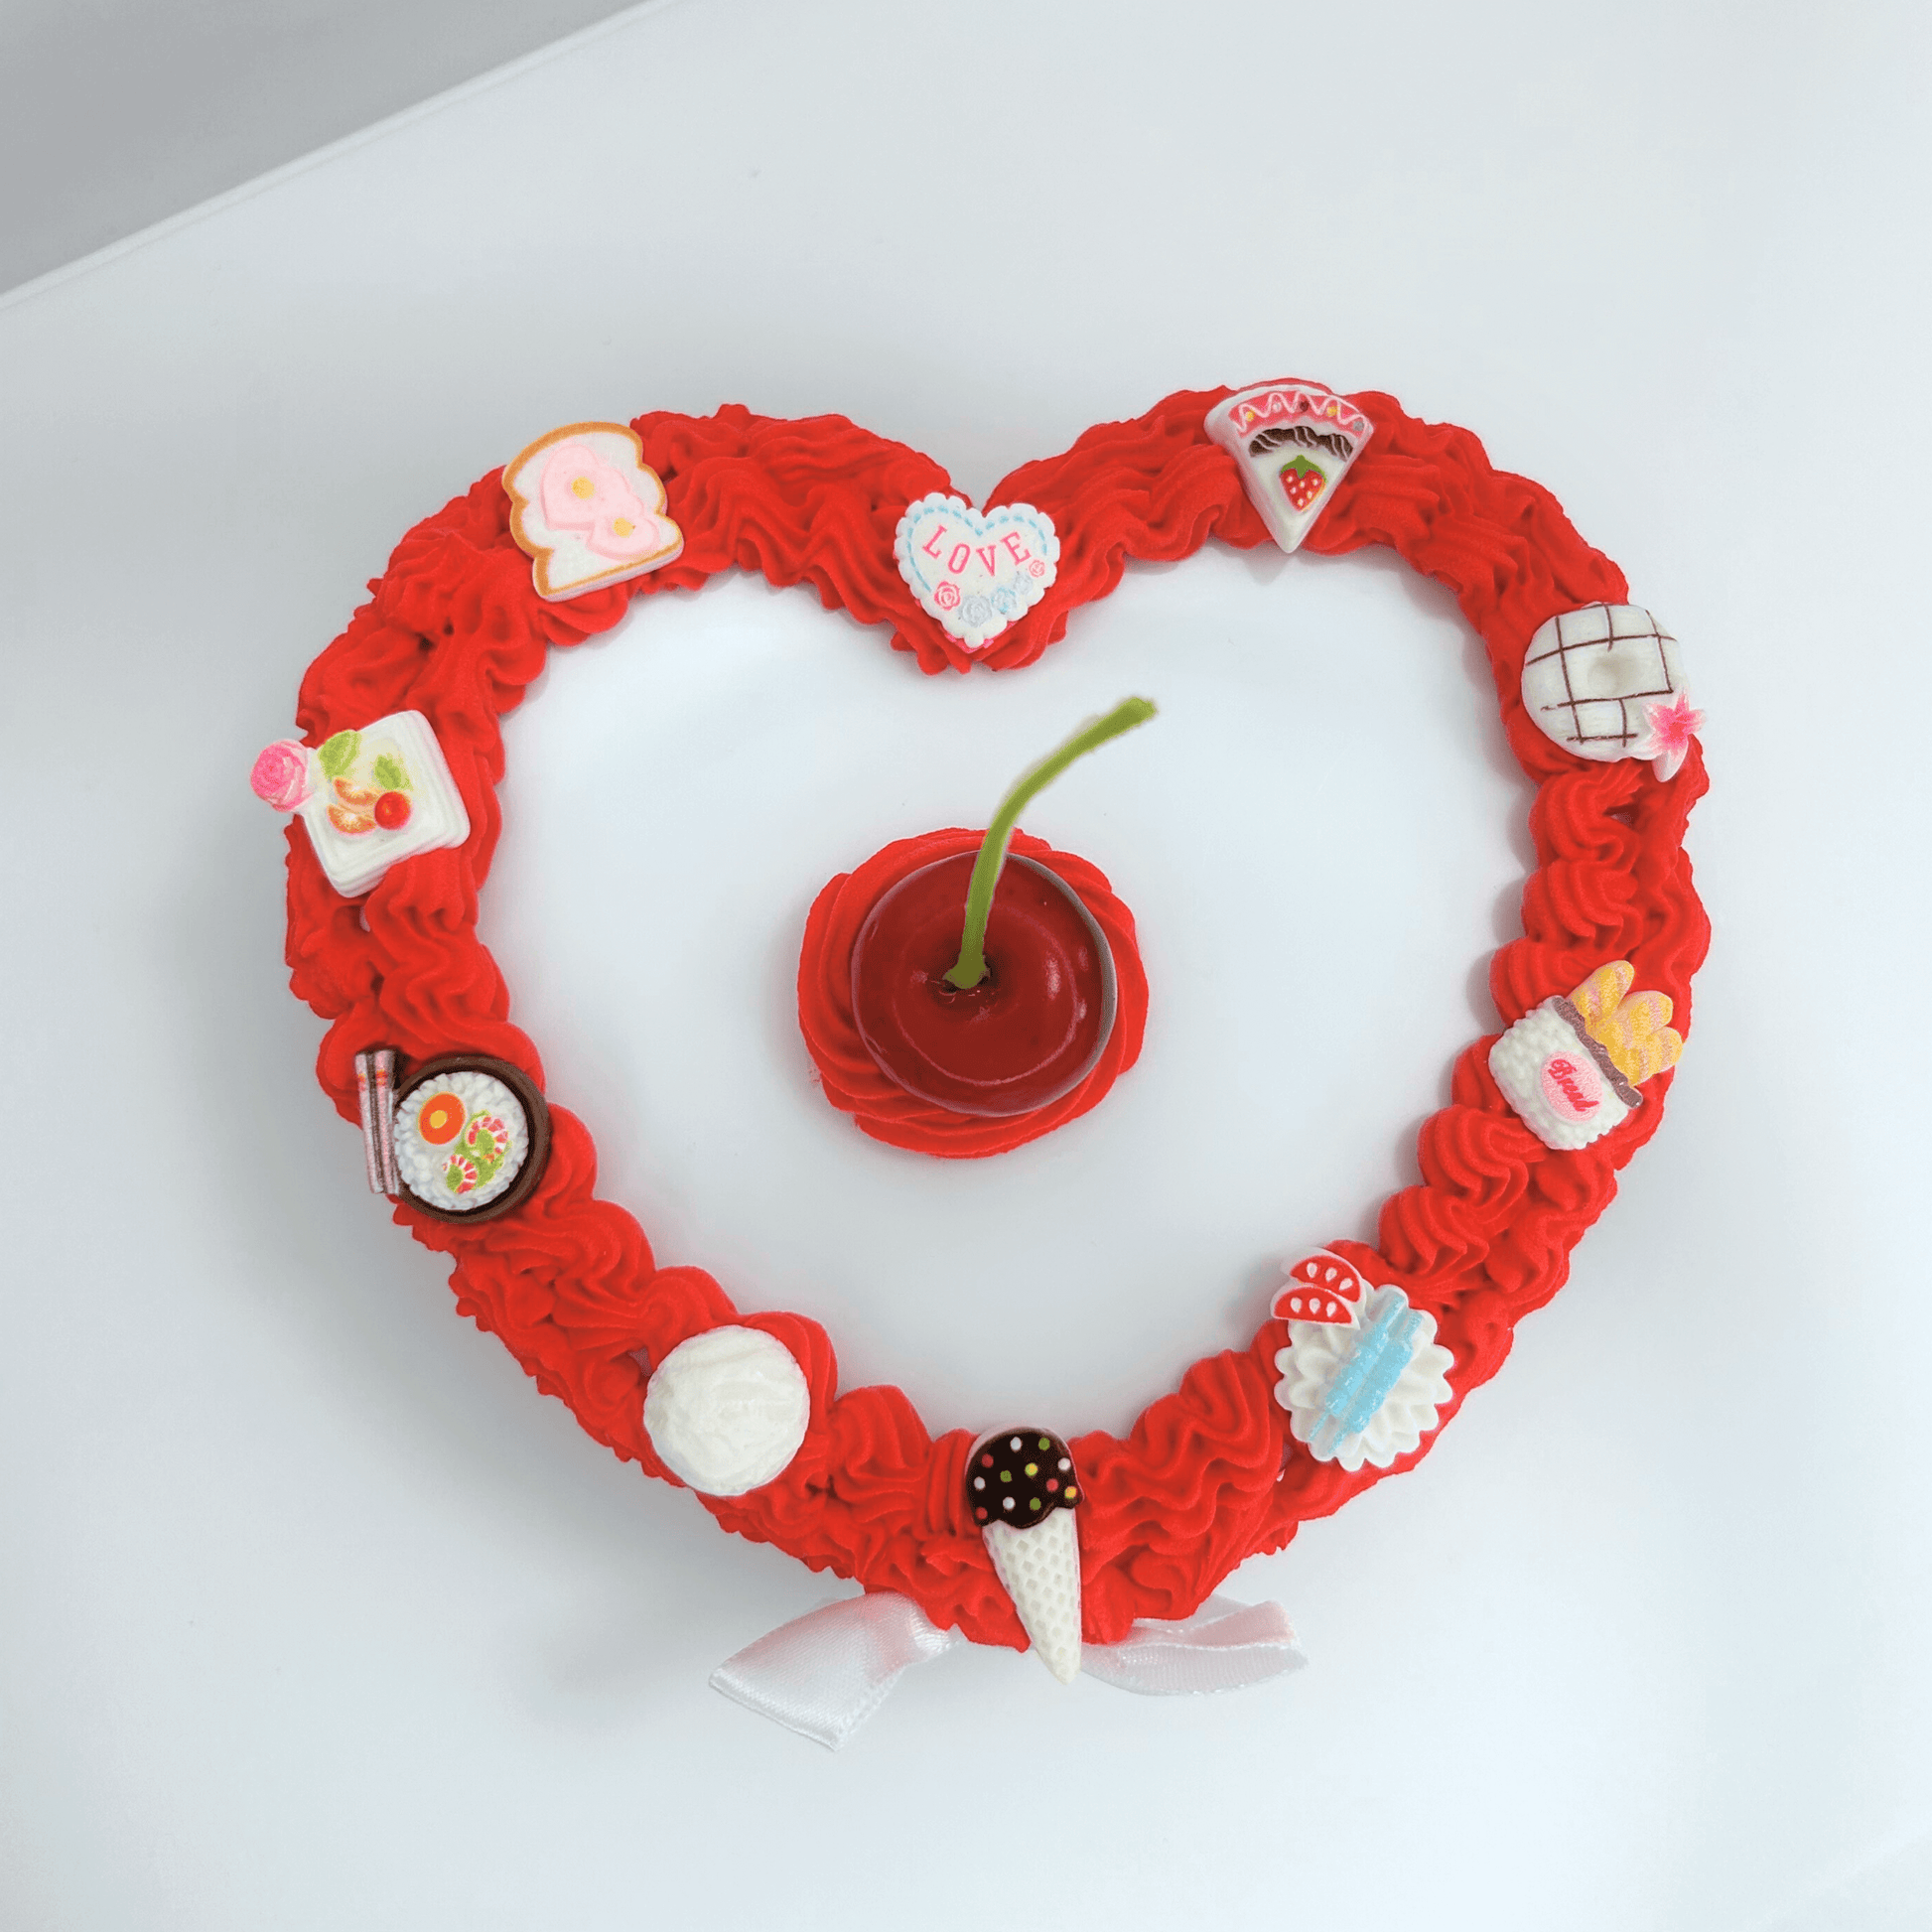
(1293, 442)
(1022, 1491)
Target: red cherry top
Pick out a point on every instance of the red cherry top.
(1029, 1031)
(986, 989)
(852, 1080)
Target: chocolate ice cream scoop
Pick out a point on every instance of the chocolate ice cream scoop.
(1018, 1476)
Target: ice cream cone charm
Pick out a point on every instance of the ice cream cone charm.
(1021, 1489)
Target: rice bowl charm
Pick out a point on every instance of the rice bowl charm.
(471, 1135)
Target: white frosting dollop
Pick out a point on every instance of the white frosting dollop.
(727, 1410)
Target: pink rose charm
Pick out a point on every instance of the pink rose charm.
(281, 776)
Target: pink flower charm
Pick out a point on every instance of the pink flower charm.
(1672, 727)
(281, 776)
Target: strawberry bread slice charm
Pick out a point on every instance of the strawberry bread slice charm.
(1022, 1491)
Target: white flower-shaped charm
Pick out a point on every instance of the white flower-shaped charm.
(1363, 1376)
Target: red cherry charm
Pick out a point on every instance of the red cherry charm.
(989, 989)
(959, 998)
(1029, 1031)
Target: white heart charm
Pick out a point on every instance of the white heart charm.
(976, 573)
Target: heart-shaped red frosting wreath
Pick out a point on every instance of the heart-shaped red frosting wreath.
(1221, 1468)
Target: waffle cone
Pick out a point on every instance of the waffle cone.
(1039, 1565)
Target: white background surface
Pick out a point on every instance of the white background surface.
(318, 1616)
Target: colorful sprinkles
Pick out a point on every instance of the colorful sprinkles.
(1029, 1471)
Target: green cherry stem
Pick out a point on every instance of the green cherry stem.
(970, 967)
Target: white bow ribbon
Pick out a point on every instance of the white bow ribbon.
(1223, 1646)
(824, 1673)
